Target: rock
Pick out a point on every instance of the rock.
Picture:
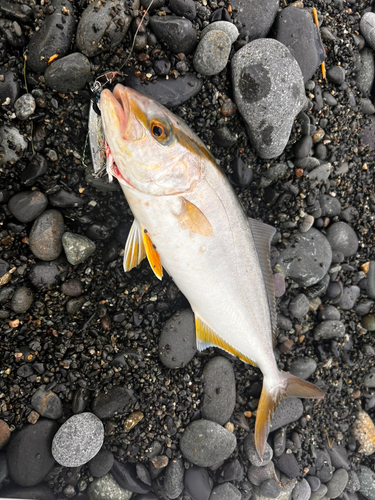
(336, 74)
(303, 367)
(232, 471)
(287, 411)
(27, 205)
(337, 484)
(197, 483)
(366, 74)
(169, 93)
(367, 481)
(212, 53)
(367, 107)
(296, 29)
(314, 483)
(363, 307)
(369, 380)
(319, 494)
(46, 235)
(329, 329)
(78, 440)
(77, 248)
(353, 482)
(206, 443)
(4, 434)
(105, 488)
(299, 306)
(252, 454)
(36, 168)
(225, 491)
(228, 28)
(364, 430)
(126, 476)
(287, 463)
(24, 106)
(72, 287)
(270, 489)
(324, 469)
(101, 464)
(177, 343)
(242, 173)
(9, 86)
(371, 280)
(46, 274)
(342, 237)
(349, 297)
(80, 399)
(269, 92)
(47, 403)
(367, 27)
(176, 32)
(302, 147)
(279, 442)
(257, 474)
(10, 136)
(339, 456)
(116, 400)
(279, 284)
(29, 453)
(185, 8)
(66, 199)
(219, 390)
(307, 258)
(302, 491)
(102, 26)
(254, 20)
(368, 322)
(174, 478)
(68, 74)
(54, 37)
(22, 300)
(39, 492)
(329, 205)
(321, 173)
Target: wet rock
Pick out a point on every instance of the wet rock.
(77, 248)
(185, 8)
(329, 205)
(225, 491)
(105, 488)
(80, 399)
(219, 390)
(314, 483)
(349, 297)
(174, 478)
(257, 474)
(279, 442)
(302, 148)
(176, 32)
(47, 403)
(342, 237)
(303, 367)
(339, 456)
(269, 92)
(116, 400)
(29, 453)
(324, 469)
(336, 74)
(22, 300)
(9, 85)
(368, 322)
(27, 205)
(270, 489)
(329, 329)
(321, 173)
(254, 20)
(126, 476)
(307, 258)
(363, 307)
(206, 443)
(232, 471)
(252, 454)
(353, 484)
(68, 74)
(197, 483)
(78, 440)
(72, 287)
(302, 491)
(287, 463)
(101, 464)
(36, 168)
(296, 29)
(287, 411)
(25, 106)
(102, 26)
(66, 199)
(211, 55)
(177, 344)
(228, 28)
(319, 494)
(54, 37)
(10, 136)
(46, 274)
(46, 234)
(299, 306)
(169, 93)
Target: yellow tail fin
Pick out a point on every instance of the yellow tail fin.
(289, 386)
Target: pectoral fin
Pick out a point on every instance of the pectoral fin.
(206, 337)
(192, 219)
(152, 255)
(134, 248)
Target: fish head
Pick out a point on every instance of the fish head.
(153, 150)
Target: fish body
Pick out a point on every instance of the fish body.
(189, 221)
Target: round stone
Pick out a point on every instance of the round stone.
(337, 484)
(229, 28)
(27, 205)
(198, 483)
(101, 464)
(329, 205)
(219, 390)
(206, 443)
(367, 27)
(176, 32)
(226, 491)
(367, 481)
(24, 106)
(72, 287)
(68, 74)
(252, 454)
(46, 234)
(368, 322)
(174, 478)
(329, 329)
(287, 411)
(4, 433)
(211, 55)
(77, 247)
(302, 491)
(78, 440)
(303, 367)
(299, 306)
(47, 403)
(105, 488)
(22, 300)
(185, 8)
(177, 343)
(342, 237)
(336, 74)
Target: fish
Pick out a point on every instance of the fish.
(188, 221)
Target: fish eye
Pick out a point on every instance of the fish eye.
(157, 131)
(160, 131)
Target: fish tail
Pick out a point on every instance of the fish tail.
(288, 386)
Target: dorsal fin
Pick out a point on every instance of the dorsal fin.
(206, 337)
(263, 234)
(134, 248)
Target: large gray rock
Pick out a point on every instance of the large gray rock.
(211, 55)
(68, 74)
(253, 18)
(104, 488)
(366, 73)
(367, 26)
(269, 92)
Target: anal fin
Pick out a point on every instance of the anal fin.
(206, 337)
(134, 248)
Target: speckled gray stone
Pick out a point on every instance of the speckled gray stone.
(225, 491)
(329, 329)
(252, 454)
(24, 106)
(337, 484)
(303, 367)
(367, 27)
(77, 248)
(78, 440)
(211, 55)
(106, 488)
(225, 26)
(269, 92)
(367, 481)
